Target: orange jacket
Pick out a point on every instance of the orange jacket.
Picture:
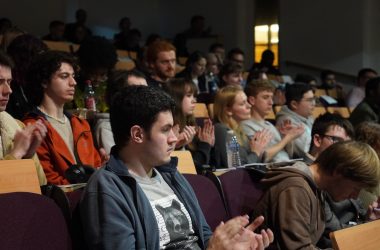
(53, 152)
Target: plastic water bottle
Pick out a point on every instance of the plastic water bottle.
(89, 97)
(211, 81)
(232, 146)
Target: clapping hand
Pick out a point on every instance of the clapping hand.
(27, 140)
(186, 136)
(206, 133)
(260, 140)
(293, 131)
(373, 212)
(236, 234)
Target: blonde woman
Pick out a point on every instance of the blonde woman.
(230, 108)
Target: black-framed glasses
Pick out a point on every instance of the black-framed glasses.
(334, 139)
(310, 100)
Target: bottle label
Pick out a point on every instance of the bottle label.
(90, 103)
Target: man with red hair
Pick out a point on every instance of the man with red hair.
(161, 58)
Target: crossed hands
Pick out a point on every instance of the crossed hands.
(27, 140)
(236, 234)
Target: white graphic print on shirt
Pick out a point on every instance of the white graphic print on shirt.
(174, 223)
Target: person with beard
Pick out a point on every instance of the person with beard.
(161, 58)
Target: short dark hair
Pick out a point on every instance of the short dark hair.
(119, 80)
(267, 54)
(214, 46)
(325, 73)
(122, 20)
(372, 86)
(5, 60)
(326, 120)
(233, 52)
(137, 105)
(304, 78)
(364, 71)
(194, 57)
(80, 12)
(295, 92)
(152, 38)
(229, 68)
(41, 70)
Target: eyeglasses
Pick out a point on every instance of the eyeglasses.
(334, 139)
(311, 99)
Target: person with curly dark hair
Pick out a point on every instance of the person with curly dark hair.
(23, 49)
(69, 140)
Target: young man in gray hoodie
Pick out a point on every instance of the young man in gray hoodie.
(300, 103)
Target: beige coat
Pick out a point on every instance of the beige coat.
(8, 128)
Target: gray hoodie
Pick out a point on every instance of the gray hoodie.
(302, 143)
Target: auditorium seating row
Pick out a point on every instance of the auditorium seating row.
(52, 221)
(205, 111)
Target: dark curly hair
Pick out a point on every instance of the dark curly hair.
(42, 69)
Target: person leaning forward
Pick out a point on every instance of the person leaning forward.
(293, 202)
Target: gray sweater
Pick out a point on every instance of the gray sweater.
(302, 143)
(250, 127)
